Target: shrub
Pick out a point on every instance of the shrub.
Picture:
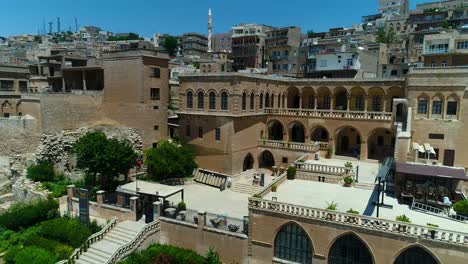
(348, 164)
(43, 172)
(62, 251)
(291, 173)
(433, 225)
(178, 255)
(212, 257)
(23, 215)
(274, 187)
(332, 206)
(348, 180)
(461, 207)
(33, 255)
(65, 230)
(182, 206)
(403, 218)
(351, 211)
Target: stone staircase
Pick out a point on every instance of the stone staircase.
(102, 250)
(364, 185)
(242, 183)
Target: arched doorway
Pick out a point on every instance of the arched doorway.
(292, 244)
(349, 249)
(293, 97)
(323, 98)
(348, 142)
(248, 162)
(297, 132)
(275, 130)
(266, 159)
(319, 134)
(380, 144)
(341, 98)
(415, 255)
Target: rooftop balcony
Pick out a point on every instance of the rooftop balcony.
(296, 146)
(332, 114)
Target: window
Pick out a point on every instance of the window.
(261, 101)
(272, 102)
(155, 107)
(155, 94)
(452, 108)
(436, 136)
(359, 103)
(212, 101)
(326, 102)
(217, 134)
(187, 131)
(155, 73)
(285, 160)
(200, 132)
(267, 100)
(189, 100)
(422, 106)
(311, 102)
(252, 102)
(323, 63)
(224, 101)
(436, 107)
(462, 45)
(244, 101)
(376, 103)
(201, 101)
(156, 127)
(292, 244)
(349, 62)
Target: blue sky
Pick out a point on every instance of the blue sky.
(179, 16)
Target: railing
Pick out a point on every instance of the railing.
(92, 239)
(437, 211)
(385, 116)
(436, 51)
(308, 147)
(225, 223)
(319, 168)
(132, 245)
(370, 223)
(267, 189)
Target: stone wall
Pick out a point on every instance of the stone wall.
(20, 134)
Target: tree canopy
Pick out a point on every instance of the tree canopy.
(130, 36)
(169, 160)
(170, 44)
(96, 154)
(386, 37)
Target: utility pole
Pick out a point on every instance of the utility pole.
(43, 27)
(50, 27)
(76, 24)
(58, 25)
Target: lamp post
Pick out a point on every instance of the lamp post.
(138, 163)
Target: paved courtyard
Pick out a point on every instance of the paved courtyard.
(367, 169)
(318, 195)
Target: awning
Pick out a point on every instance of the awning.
(425, 170)
(418, 147)
(429, 148)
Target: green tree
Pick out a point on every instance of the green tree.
(386, 37)
(461, 207)
(43, 171)
(212, 257)
(445, 24)
(107, 157)
(34, 255)
(169, 160)
(170, 44)
(310, 33)
(24, 215)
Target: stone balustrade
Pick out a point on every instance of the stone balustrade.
(305, 147)
(320, 168)
(332, 114)
(212, 178)
(267, 189)
(360, 221)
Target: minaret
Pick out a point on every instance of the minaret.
(210, 29)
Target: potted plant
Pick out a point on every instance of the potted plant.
(405, 219)
(182, 206)
(352, 219)
(274, 187)
(329, 152)
(348, 167)
(291, 174)
(348, 181)
(331, 207)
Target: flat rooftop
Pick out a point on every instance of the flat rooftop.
(150, 188)
(319, 195)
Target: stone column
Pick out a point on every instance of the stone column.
(366, 101)
(332, 103)
(16, 86)
(70, 191)
(315, 102)
(63, 84)
(429, 108)
(133, 206)
(84, 81)
(300, 101)
(444, 109)
(157, 210)
(348, 102)
(100, 197)
(384, 105)
(363, 155)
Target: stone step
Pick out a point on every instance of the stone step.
(119, 236)
(124, 231)
(245, 188)
(364, 185)
(102, 254)
(114, 241)
(87, 260)
(95, 257)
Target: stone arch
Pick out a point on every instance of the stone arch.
(293, 244)
(380, 144)
(275, 130)
(323, 98)
(297, 132)
(212, 100)
(437, 102)
(260, 101)
(415, 254)
(266, 159)
(189, 99)
(308, 98)
(293, 97)
(272, 100)
(224, 100)
(393, 92)
(357, 99)
(252, 101)
(319, 134)
(348, 141)
(248, 163)
(200, 100)
(453, 105)
(349, 248)
(244, 101)
(341, 98)
(376, 99)
(422, 104)
(267, 99)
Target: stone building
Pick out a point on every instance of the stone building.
(248, 46)
(446, 49)
(194, 44)
(282, 48)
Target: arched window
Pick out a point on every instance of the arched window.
(252, 102)
(437, 105)
(267, 100)
(350, 250)
(452, 108)
(201, 101)
(189, 100)
(260, 100)
(376, 103)
(415, 255)
(292, 244)
(244, 101)
(279, 100)
(224, 101)
(272, 101)
(422, 105)
(284, 99)
(212, 99)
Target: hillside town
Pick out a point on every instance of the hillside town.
(262, 144)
